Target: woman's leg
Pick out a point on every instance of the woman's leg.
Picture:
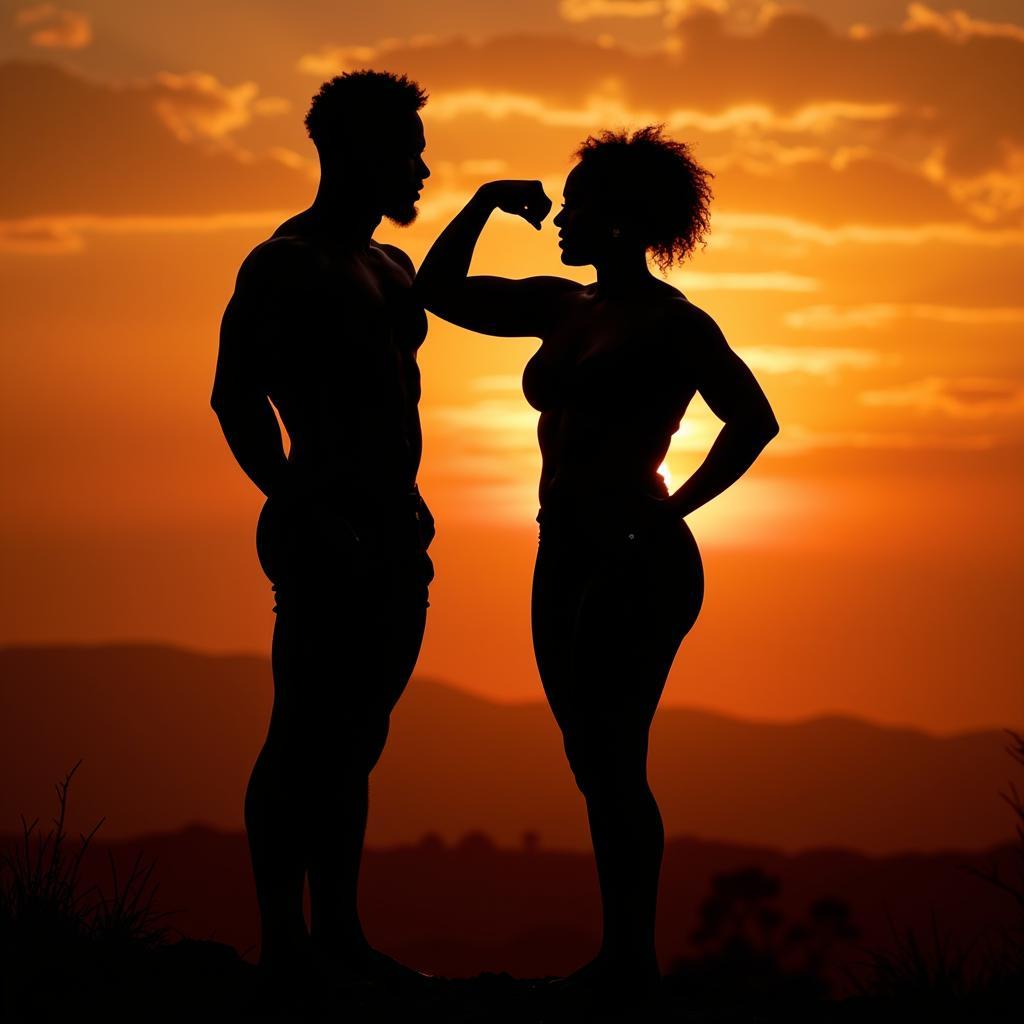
(634, 606)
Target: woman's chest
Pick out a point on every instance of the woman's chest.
(601, 365)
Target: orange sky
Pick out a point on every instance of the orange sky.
(865, 259)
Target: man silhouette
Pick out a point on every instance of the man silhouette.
(323, 325)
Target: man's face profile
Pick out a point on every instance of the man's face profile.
(400, 170)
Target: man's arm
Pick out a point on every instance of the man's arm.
(256, 317)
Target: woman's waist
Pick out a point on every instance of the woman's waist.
(611, 495)
(598, 517)
(583, 534)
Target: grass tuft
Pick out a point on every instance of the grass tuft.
(57, 935)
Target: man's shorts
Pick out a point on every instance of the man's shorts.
(322, 558)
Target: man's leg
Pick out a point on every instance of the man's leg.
(274, 820)
(379, 641)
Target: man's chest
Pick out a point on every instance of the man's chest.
(380, 293)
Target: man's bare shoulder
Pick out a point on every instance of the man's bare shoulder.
(280, 263)
(399, 256)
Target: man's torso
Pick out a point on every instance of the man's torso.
(343, 373)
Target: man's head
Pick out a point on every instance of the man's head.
(367, 130)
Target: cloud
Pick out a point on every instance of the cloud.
(956, 94)
(960, 397)
(197, 105)
(795, 439)
(504, 423)
(958, 25)
(726, 281)
(497, 382)
(69, 234)
(864, 189)
(585, 10)
(900, 125)
(835, 318)
(604, 106)
(490, 451)
(742, 14)
(801, 230)
(333, 60)
(491, 445)
(740, 144)
(39, 236)
(79, 148)
(814, 361)
(55, 28)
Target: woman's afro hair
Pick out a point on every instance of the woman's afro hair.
(655, 180)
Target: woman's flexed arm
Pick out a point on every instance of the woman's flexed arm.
(489, 305)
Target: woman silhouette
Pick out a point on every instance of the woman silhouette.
(618, 580)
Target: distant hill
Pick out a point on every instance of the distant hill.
(168, 736)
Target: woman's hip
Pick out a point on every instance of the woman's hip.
(656, 575)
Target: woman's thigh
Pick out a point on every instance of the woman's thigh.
(609, 627)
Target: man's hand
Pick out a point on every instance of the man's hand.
(310, 512)
(525, 199)
(336, 533)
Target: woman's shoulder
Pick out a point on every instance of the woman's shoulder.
(684, 330)
(677, 311)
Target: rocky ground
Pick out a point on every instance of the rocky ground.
(201, 980)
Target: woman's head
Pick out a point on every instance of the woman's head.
(640, 190)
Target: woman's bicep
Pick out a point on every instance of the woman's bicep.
(502, 306)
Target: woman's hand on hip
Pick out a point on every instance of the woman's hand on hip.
(656, 514)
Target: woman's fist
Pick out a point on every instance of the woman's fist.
(525, 199)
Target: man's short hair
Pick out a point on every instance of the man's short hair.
(355, 103)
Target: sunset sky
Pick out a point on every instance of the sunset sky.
(866, 259)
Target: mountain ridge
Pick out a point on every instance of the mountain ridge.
(178, 747)
(430, 680)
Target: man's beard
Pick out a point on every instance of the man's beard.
(403, 216)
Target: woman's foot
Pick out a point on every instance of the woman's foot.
(360, 965)
(607, 982)
(289, 973)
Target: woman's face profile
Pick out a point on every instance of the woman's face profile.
(583, 229)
